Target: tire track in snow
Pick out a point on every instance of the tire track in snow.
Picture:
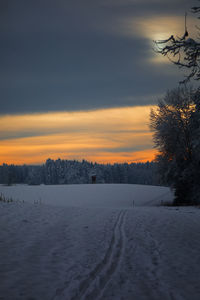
(94, 285)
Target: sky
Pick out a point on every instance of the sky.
(78, 78)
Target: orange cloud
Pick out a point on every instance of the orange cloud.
(106, 136)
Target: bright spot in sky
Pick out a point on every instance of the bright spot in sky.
(157, 28)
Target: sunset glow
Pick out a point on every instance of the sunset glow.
(78, 78)
(105, 136)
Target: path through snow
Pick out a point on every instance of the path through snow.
(91, 243)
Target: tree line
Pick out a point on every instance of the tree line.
(75, 172)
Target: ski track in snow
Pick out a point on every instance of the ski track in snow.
(96, 282)
(102, 248)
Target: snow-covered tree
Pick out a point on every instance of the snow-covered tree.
(75, 172)
(176, 127)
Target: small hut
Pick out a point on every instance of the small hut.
(93, 176)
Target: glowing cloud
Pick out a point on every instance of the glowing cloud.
(156, 28)
(108, 135)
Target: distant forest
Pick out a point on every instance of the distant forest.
(75, 172)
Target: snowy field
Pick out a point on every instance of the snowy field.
(97, 242)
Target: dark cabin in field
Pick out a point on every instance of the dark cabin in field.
(93, 177)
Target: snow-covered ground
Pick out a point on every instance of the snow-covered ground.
(91, 242)
(87, 195)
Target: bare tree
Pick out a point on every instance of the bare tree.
(183, 51)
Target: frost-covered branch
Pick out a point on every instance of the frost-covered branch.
(182, 51)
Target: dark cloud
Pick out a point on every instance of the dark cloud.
(62, 55)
